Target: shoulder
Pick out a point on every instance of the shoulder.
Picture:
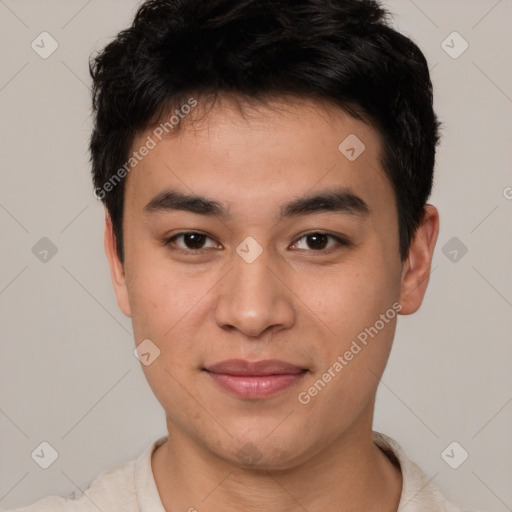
(113, 489)
(419, 494)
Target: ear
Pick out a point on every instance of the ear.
(117, 272)
(416, 269)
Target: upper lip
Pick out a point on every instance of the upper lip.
(247, 368)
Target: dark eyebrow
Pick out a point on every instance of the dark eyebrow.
(169, 200)
(341, 200)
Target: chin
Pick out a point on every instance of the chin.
(265, 453)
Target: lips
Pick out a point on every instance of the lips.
(253, 380)
(258, 368)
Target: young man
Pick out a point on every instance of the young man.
(265, 167)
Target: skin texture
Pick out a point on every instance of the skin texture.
(294, 303)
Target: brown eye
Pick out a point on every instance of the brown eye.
(194, 240)
(191, 241)
(319, 242)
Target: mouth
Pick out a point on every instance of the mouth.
(253, 380)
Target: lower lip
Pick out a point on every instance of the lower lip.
(253, 386)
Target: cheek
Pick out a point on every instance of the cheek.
(169, 308)
(158, 294)
(148, 298)
(351, 297)
(364, 310)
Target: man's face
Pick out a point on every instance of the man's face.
(257, 286)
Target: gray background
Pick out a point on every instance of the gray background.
(67, 372)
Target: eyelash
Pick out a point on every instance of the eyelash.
(342, 242)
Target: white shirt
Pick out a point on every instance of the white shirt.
(131, 487)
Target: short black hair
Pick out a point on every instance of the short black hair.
(342, 51)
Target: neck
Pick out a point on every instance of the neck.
(350, 474)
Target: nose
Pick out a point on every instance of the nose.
(254, 298)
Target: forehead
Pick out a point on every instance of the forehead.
(254, 154)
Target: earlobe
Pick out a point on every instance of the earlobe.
(117, 271)
(416, 269)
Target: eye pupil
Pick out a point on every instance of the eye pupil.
(317, 236)
(194, 240)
